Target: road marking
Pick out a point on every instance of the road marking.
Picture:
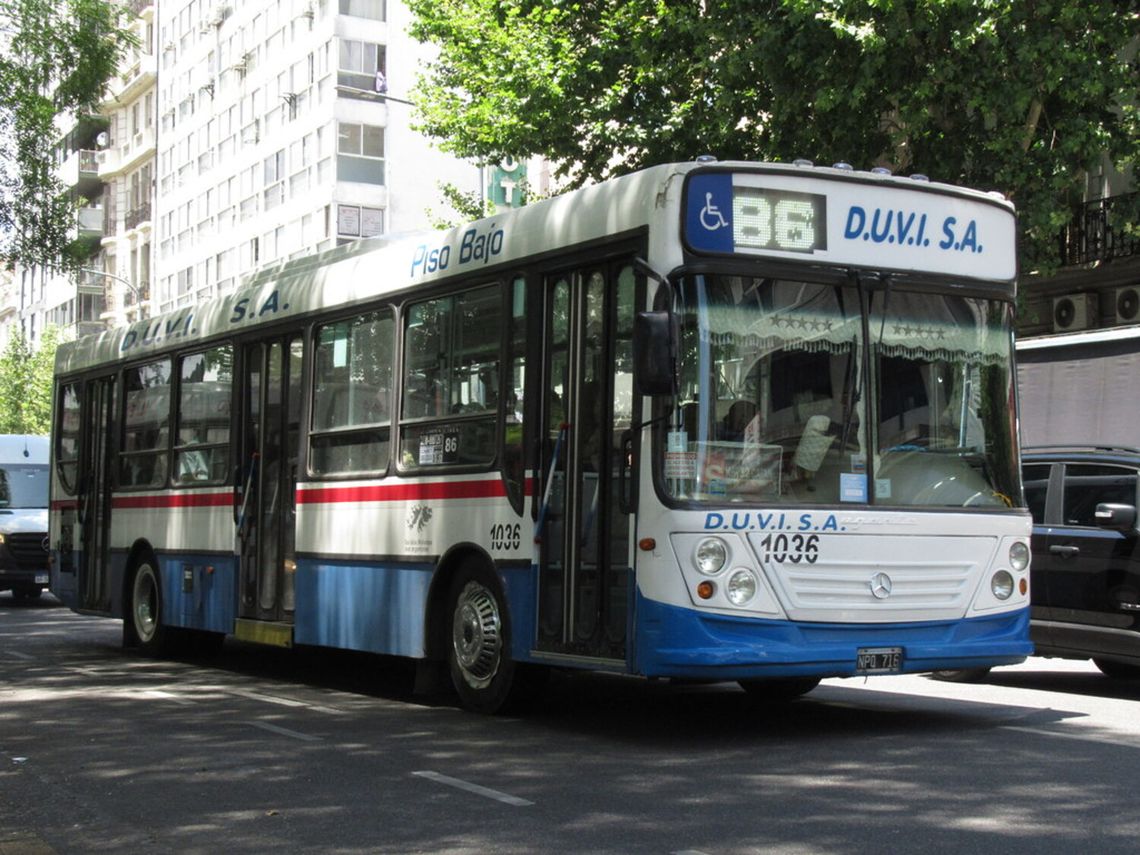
(284, 702)
(1070, 734)
(19, 655)
(284, 731)
(505, 798)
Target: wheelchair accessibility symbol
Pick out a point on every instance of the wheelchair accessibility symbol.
(711, 217)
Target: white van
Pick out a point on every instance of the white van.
(23, 515)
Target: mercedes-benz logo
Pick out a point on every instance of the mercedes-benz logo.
(46, 545)
(881, 586)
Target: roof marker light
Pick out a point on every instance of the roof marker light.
(918, 176)
(803, 162)
(844, 165)
(880, 170)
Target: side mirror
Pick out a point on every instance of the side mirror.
(1116, 517)
(655, 337)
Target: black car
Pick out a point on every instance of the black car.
(1085, 571)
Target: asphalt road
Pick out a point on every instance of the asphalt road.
(262, 750)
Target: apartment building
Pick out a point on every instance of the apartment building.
(282, 129)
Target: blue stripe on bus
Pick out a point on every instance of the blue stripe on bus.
(355, 606)
(681, 642)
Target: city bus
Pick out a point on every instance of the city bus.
(709, 421)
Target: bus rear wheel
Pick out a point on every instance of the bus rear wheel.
(146, 608)
(485, 677)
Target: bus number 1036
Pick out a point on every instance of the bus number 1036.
(790, 548)
(506, 536)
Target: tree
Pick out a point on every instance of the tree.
(59, 56)
(26, 383)
(1020, 97)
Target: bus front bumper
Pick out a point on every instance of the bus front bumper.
(677, 642)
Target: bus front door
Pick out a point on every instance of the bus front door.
(265, 500)
(583, 526)
(95, 494)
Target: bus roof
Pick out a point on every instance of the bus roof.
(357, 272)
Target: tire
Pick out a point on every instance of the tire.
(485, 677)
(31, 592)
(145, 615)
(1117, 670)
(961, 675)
(779, 689)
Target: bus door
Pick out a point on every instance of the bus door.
(96, 456)
(584, 524)
(265, 488)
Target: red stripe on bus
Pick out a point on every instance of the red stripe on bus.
(403, 492)
(175, 500)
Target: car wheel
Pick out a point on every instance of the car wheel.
(1117, 670)
(962, 675)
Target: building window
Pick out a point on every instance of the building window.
(360, 153)
(363, 8)
(354, 221)
(359, 62)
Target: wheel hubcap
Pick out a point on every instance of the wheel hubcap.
(145, 602)
(476, 635)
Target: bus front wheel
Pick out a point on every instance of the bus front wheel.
(482, 671)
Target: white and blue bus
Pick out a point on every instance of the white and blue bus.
(712, 421)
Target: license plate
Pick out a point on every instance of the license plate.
(878, 660)
(42, 579)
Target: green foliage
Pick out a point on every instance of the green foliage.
(469, 205)
(59, 57)
(1011, 96)
(26, 383)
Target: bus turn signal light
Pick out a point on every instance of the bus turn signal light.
(647, 544)
(705, 590)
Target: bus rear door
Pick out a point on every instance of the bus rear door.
(265, 498)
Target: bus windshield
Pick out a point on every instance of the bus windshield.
(814, 393)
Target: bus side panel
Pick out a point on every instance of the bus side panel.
(678, 642)
(520, 587)
(357, 606)
(198, 590)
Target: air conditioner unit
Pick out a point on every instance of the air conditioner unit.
(1074, 312)
(1128, 305)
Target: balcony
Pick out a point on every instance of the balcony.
(80, 171)
(1099, 231)
(136, 217)
(90, 221)
(140, 70)
(132, 152)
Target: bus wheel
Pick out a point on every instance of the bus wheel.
(146, 608)
(481, 667)
(780, 688)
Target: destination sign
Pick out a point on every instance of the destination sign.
(860, 222)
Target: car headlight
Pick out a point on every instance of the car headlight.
(1, 538)
(1019, 556)
(711, 555)
(741, 587)
(1002, 584)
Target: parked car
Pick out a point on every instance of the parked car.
(23, 515)
(1085, 570)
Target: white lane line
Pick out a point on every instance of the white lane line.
(284, 702)
(284, 731)
(18, 655)
(1072, 734)
(486, 792)
(158, 694)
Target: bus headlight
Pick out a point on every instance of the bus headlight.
(1019, 556)
(711, 555)
(741, 587)
(1002, 584)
